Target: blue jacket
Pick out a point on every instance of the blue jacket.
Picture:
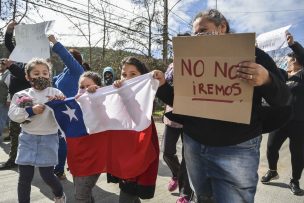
(67, 81)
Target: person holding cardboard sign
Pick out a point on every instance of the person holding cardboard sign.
(222, 157)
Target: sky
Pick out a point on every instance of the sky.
(244, 16)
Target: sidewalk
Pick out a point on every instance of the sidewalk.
(276, 192)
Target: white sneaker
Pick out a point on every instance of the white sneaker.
(60, 199)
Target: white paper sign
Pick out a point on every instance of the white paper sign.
(31, 42)
(273, 40)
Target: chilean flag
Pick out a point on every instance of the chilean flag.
(110, 130)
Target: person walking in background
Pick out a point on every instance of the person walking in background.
(17, 83)
(173, 131)
(38, 143)
(4, 95)
(294, 129)
(67, 82)
(108, 76)
(222, 158)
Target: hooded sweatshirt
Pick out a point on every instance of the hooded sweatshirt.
(104, 80)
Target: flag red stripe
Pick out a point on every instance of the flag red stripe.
(123, 153)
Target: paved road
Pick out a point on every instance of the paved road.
(277, 192)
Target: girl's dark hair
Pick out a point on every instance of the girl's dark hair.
(214, 16)
(93, 76)
(131, 60)
(86, 66)
(76, 54)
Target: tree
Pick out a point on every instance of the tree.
(148, 27)
(12, 10)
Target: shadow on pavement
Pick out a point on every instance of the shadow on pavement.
(68, 188)
(278, 184)
(5, 146)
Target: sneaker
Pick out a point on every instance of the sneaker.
(61, 199)
(173, 183)
(295, 187)
(182, 200)
(61, 175)
(270, 175)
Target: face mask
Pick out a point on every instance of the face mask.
(40, 83)
(81, 91)
(108, 80)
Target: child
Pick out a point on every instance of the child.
(38, 140)
(88, 81)
(142, 186)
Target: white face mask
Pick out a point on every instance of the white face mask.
(81, 91)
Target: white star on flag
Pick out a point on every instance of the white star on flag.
(70, 113)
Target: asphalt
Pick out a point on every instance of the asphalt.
(276, 192)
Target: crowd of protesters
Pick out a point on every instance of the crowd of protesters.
(220, 159)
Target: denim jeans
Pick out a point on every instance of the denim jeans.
(62, 155)
(3, 116)
(229, 173)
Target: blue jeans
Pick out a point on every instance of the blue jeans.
(62, 154)
(229, 173)
(3, 116)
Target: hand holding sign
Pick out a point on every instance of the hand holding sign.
(206, 76)
(11, 26)
(289, 38)
(253, 73)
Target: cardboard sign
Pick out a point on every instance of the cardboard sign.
(273, 40)
(205, 82)
(31, 42)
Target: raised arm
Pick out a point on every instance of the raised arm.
(8, 38)
(74, 67)
(296, 47)
(276, 92)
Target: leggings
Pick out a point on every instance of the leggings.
(26, 174)
(295, 131)
(179, 171)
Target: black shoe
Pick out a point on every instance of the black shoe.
(8, 165)
(295, 187)
(7, 139)
(270, 175)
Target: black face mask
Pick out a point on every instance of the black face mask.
(40, 83)
(108, 80)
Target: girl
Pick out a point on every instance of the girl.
(142, 186)
(88, 81)
(66, 82)
(38, 140)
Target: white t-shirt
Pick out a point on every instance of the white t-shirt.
(40, 124)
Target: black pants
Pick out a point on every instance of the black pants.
(295, 132)
(26, 174)
(179, 171)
